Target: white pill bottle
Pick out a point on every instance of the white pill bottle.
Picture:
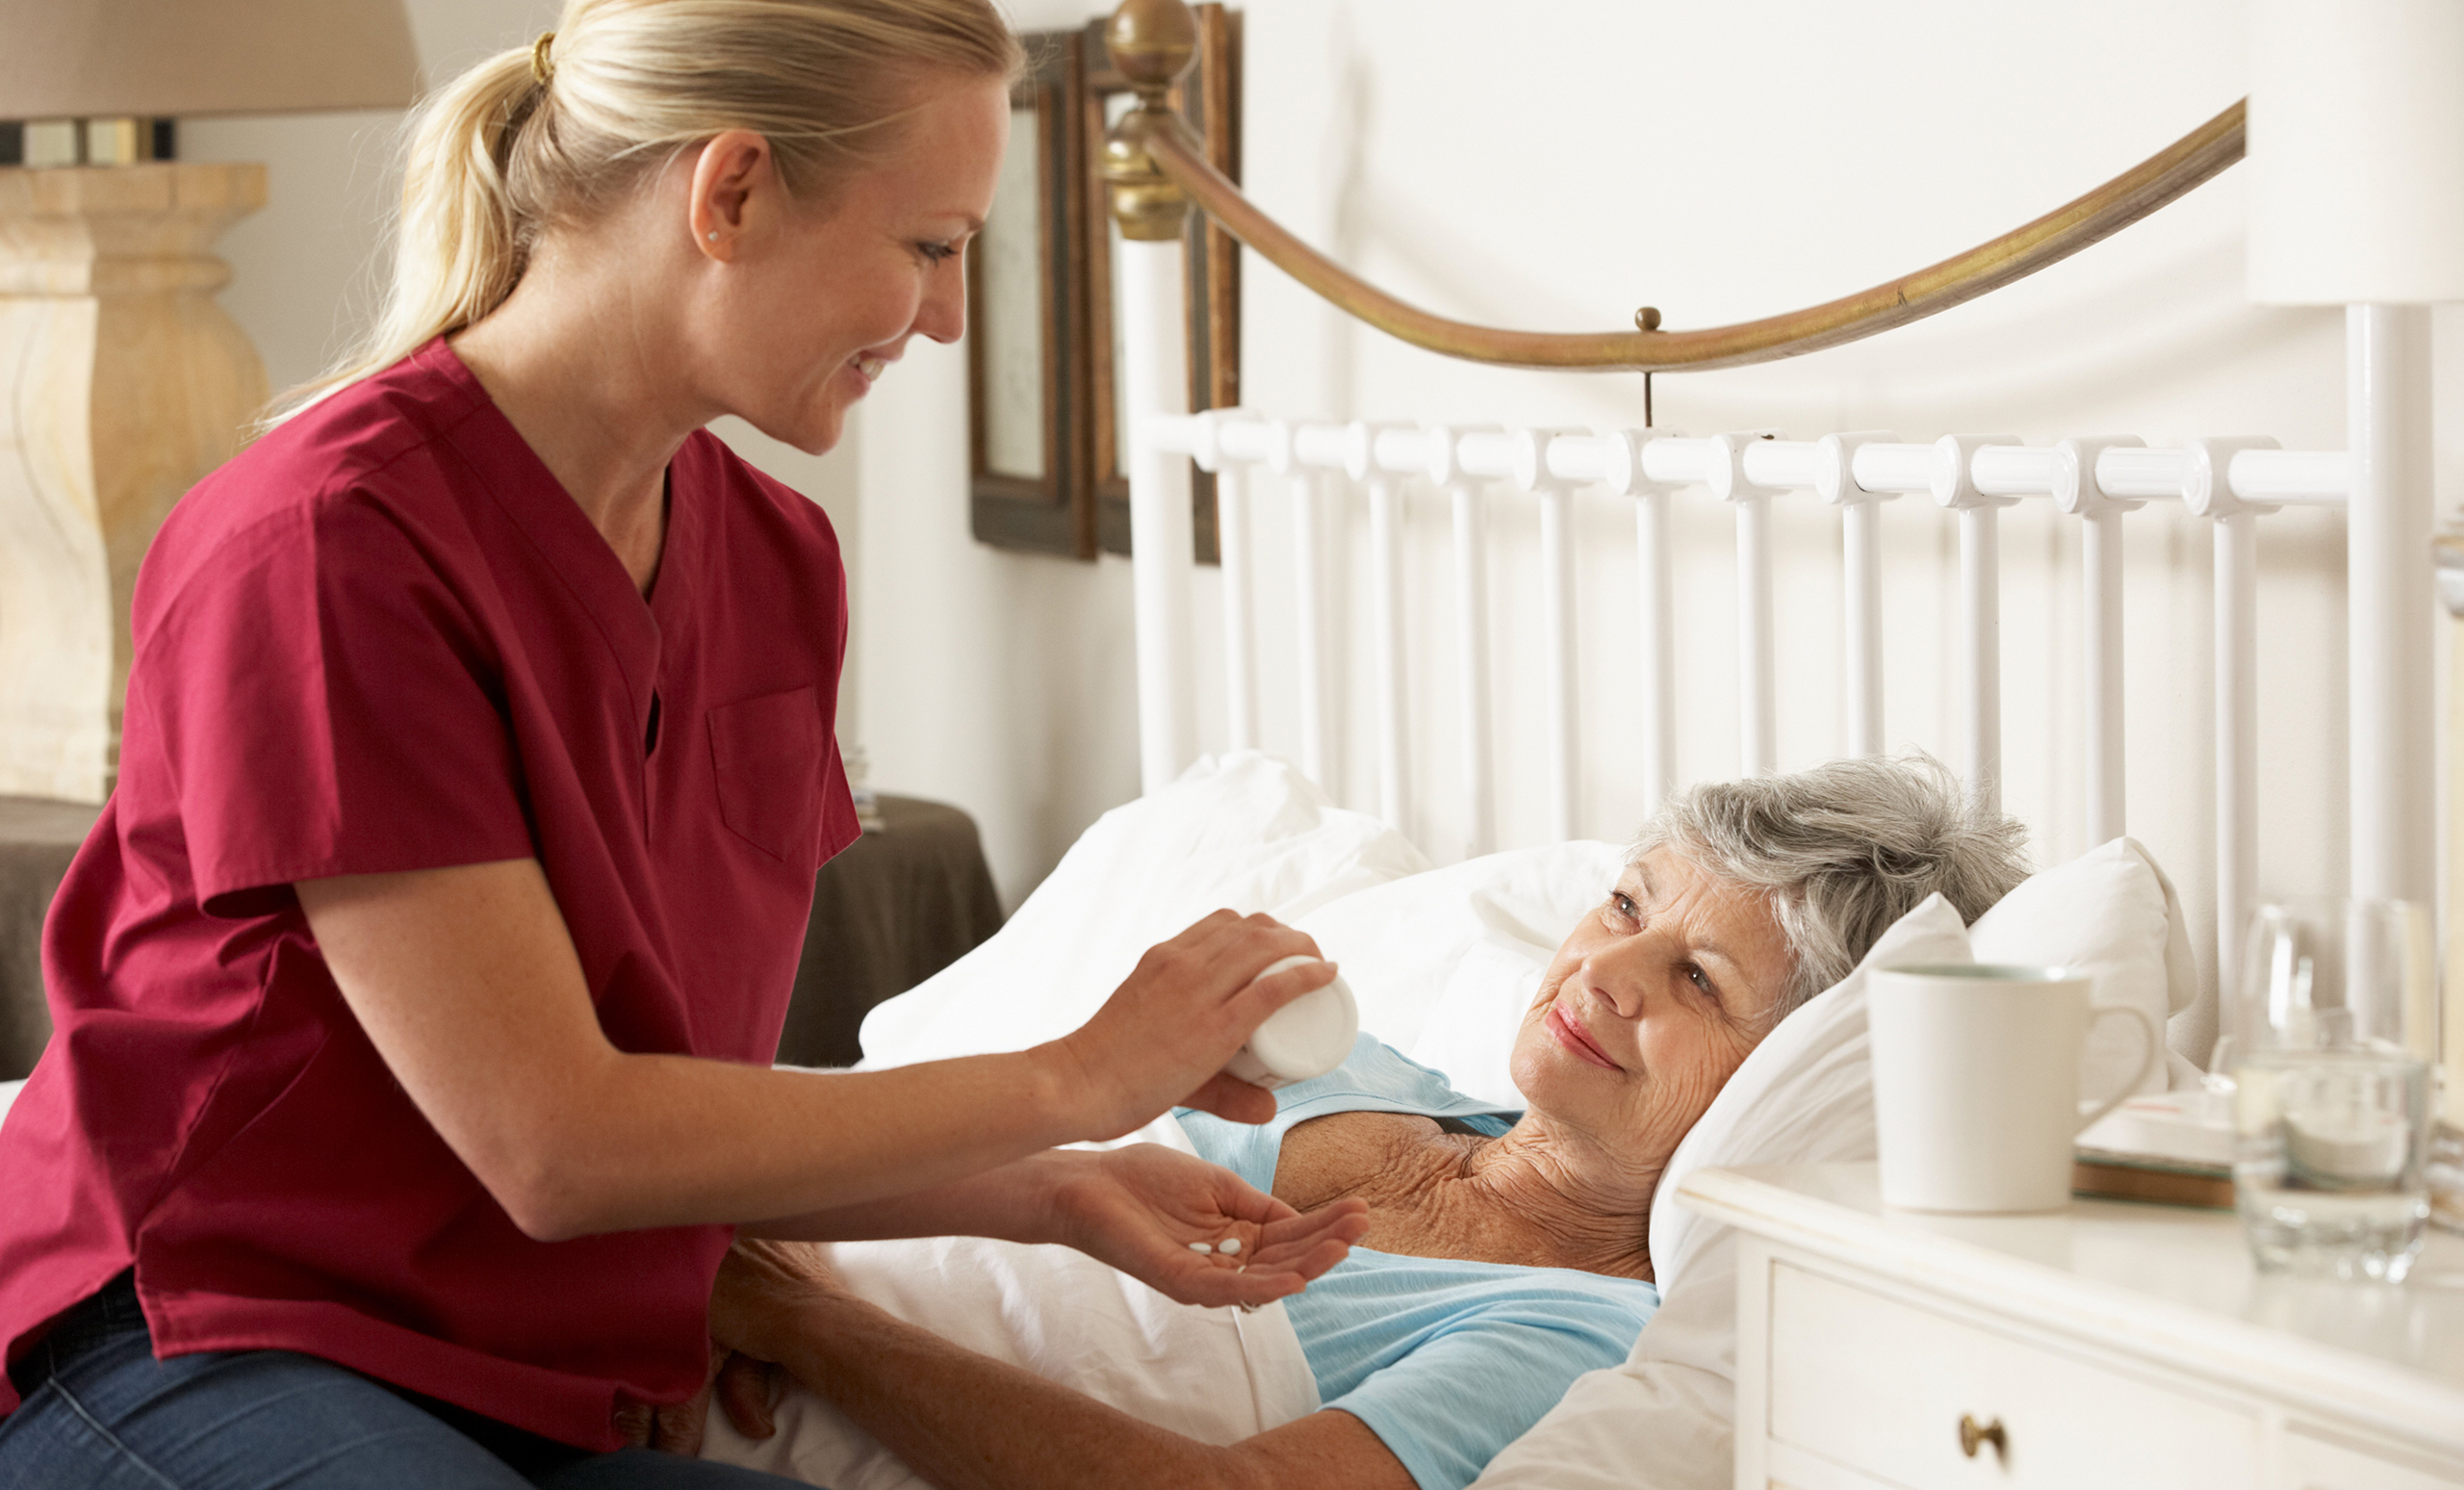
(1308, 1036)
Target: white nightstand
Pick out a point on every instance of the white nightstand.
(2110, 1346)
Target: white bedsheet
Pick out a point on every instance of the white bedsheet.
(1444, 963)
(1216, 1374)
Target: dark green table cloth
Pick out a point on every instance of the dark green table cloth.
(897, 906)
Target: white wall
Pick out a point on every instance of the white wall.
(1557, 165)
(1554, 166)
(980, 678)
(308, 270)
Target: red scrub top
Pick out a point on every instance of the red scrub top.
(385, 639)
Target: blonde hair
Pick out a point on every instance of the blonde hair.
(548, 134)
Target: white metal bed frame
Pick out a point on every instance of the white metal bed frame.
(2382, 483)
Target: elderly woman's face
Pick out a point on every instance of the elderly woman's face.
(1650, 1006)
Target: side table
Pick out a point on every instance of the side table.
(37, 838)
(897, 906)
(2111, 1345)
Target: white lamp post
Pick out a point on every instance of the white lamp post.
(2357, 199)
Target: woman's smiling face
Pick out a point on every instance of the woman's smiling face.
(821, 300)
(1650, 1006)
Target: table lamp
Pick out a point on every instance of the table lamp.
(2357, 199)
(121, 380)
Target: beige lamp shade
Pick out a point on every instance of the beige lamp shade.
(2356, 151)
(92, 59)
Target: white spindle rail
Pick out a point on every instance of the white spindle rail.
(1232, 552)
(1386, 624)
(1309, 626)
(2388, 584)
(2077, 492)
(2207, 490)
(2232, 482)
(1756, 628)
(1475, 720)
(1861, 551)
(1656, 564)
(1529, 455)
(1960, 486)
(1152, 360)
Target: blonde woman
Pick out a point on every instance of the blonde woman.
(415, 992)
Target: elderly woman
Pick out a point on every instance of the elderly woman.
(1504, 1253)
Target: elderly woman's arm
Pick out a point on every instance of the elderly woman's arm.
(965, 1421)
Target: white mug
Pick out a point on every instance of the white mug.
(1976, 1082)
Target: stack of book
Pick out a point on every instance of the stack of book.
(2170, 1148)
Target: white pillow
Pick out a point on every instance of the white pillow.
(1805, 1095)
(1445, 963)
(2110, 912)
(1666, 1418)
(1245, 832)
(1218, 1375)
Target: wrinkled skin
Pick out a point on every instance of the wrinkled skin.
(1649, 1007)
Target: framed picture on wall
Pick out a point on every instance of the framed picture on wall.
(1045, 427)
(1208, 98)
(1027, 327)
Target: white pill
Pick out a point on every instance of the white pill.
(1229, 1246)
(1201, 1246)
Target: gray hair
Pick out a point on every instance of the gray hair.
(1843, 851)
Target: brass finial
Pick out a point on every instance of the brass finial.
(1646, 318)
(1153, 43)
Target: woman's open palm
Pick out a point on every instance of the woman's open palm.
(1141, 1207)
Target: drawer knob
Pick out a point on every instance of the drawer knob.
(1974, 1435)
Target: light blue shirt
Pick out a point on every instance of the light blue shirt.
(1446, 1361)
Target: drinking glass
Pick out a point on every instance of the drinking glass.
(2332, 1090)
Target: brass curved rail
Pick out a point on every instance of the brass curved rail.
(2153, 183)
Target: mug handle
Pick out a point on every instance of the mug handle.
(2148, 1064)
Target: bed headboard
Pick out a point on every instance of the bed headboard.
(2236, 484)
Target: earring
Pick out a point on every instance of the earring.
(714, 235)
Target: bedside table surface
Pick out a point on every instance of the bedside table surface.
(2180, 1283)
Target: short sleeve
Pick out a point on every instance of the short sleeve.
(324, 702)
(1468, 1389)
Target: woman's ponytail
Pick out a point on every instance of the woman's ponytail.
(541, 133)
(458, 242)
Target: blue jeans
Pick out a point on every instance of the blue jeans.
(102, 1414)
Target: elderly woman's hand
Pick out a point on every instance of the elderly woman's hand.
(762, 1288)
(764, 1291)
(1141, 1208)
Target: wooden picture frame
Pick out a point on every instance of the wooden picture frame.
(1044, 450)
(1027, 321)
(1208, 98)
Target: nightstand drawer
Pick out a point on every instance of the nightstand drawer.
(2322, 1462)
(1883, 1388)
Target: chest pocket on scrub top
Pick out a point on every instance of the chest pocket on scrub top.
(768, 753)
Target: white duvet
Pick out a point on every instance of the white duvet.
(1218, 1375)
(1443, 961)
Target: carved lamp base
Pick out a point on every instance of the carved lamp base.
(121, 382)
